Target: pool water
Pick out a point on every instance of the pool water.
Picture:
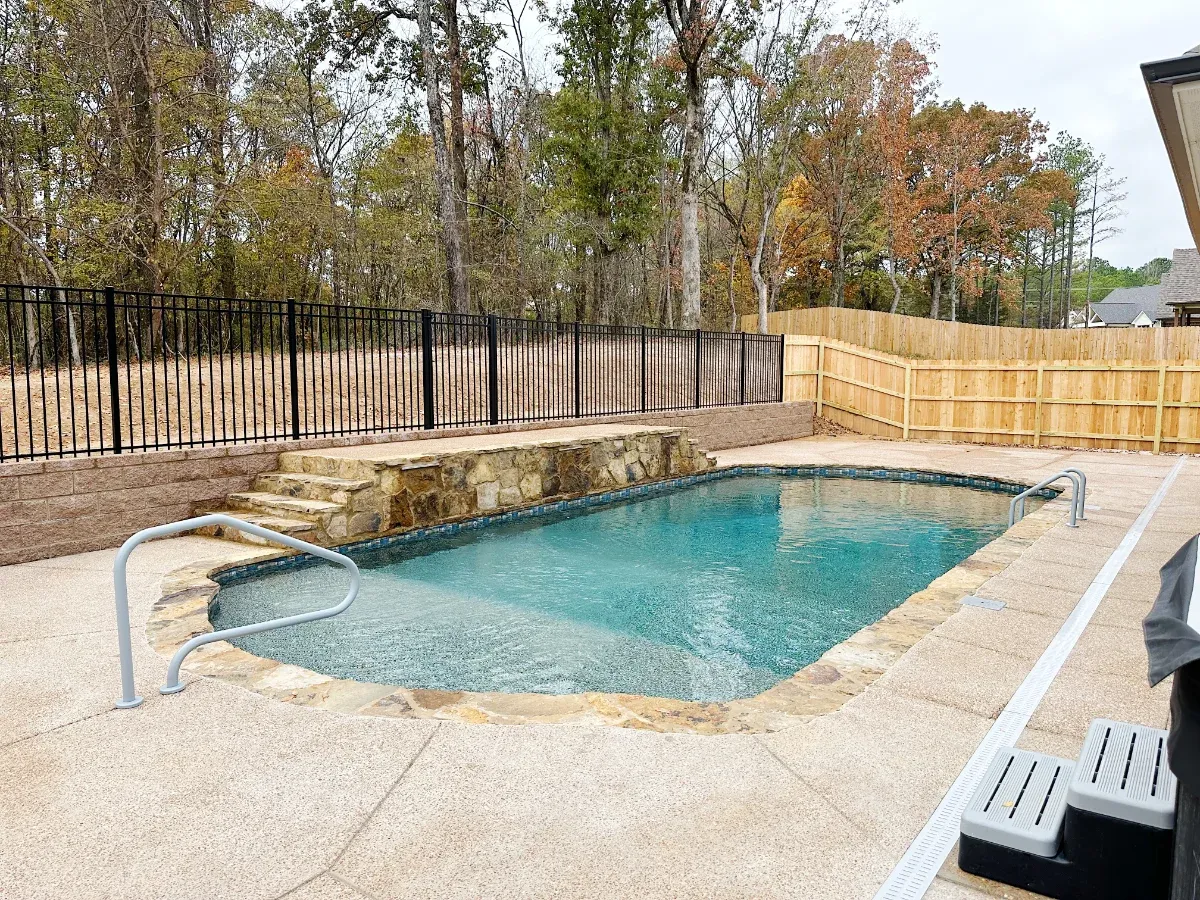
(710, 592)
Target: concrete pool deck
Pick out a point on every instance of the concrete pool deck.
(221, 792)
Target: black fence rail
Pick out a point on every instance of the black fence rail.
(91, 371)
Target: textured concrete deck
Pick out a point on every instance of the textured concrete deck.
(218, 792)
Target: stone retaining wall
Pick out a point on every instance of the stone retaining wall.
(449, 487)
(58, 507)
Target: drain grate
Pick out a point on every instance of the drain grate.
(1021, 802)
(981, 602)
(1123, 773)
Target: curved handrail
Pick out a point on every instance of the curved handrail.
(1076, 498)
(128, 698)
(1079, 505)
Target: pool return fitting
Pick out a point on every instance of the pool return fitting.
(174, 685)
(1016, 509)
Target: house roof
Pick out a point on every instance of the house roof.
(1122, 305)
(1182, 283)
(1174, 89)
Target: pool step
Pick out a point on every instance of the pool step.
(1021, 803)
(1097, 829)
(311, 487)
(297, 528)
(296, 507)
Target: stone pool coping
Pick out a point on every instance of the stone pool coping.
(821, 687)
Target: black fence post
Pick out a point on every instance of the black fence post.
(742, 372)
(643, 368)
(427, 366)
(578, 375)
(293, 372)
(493, 372)
(697, 368)
(782, 343)
(114, 386)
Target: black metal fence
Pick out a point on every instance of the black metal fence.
(89, 371)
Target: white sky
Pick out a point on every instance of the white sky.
(1075, 64)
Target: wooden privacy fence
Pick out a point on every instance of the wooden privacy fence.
(1124, 405)
(933, 339)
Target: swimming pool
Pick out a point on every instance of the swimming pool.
(709, 592)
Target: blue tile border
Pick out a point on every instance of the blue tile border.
(250, 571)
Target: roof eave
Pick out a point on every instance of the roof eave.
(1161, 78)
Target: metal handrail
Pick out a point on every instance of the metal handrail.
(128, 698)
(1077, 497)
(1082, 490)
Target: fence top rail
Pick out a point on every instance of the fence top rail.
(935, 339)
(991, 365)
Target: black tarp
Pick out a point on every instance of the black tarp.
(1174, 647)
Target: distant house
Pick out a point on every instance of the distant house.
(1181, 288)
(1132, 307)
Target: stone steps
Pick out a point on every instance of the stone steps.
(311, 487)
(315, 511)
(336, 497)
(297, 528)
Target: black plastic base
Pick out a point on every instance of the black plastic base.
(1101, 858)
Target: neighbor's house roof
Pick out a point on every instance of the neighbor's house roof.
(1123, 305)
(1182, 283)
(1174, 88)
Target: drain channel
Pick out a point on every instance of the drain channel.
(924, 857)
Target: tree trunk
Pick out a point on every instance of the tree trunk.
(1053, 269)
(756, 275)
(839, 274)
(452, 239)
(145, 132)
(895, 285)
(935, 307)
(1070, 271)
(693, 146)
(1025, 280)
(199, 16)
(733, 313)
(457, 147)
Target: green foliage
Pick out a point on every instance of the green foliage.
(604, 144)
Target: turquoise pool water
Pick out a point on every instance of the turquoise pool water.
(711, 592)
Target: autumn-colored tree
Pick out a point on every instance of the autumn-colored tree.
(903, 87)
(836, 155)
(968, 165)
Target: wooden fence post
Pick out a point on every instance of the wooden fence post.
(820, 371)
(1037, 409)
(1158, 409)
(907, 396)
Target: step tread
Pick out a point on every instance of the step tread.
(328, 481)
(265, 520)
(1123, 773)
(281, 501)
(1021, 802)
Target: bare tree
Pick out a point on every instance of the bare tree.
(694, 24)
(452, 234)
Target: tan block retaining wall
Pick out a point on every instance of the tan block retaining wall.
(58, 507)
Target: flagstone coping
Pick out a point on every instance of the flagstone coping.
(821, 687)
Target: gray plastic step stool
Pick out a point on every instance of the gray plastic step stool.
(1021, 802)
(1123, 773)
(1097, 829)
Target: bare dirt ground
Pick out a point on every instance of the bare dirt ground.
(175, 401)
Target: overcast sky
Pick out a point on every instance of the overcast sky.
(1075, 64)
